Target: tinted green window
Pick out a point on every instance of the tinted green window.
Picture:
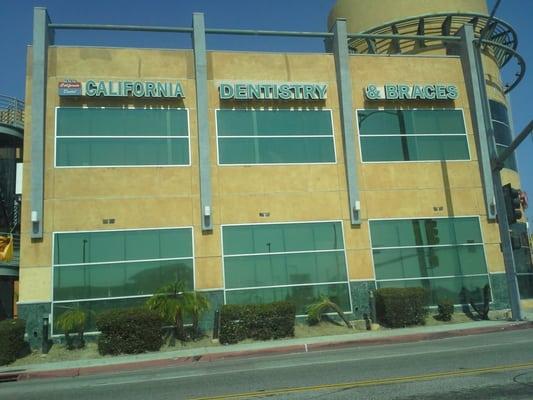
(273, 123)
(109, 264)
(420, 122)
(525, 285)
(275, 238)
(301, 296)
(124, 151)
(121, 122)
(510, 162)
(274, 137)
(106, 246)
(119, 279)
(452, 248)
(498, 112)
(424, 232)
(93, 309)
(429, 262)
(284, 269)
(121, 137)
(260, 258)
(446, 288)
(418, 148)
(275, 150)
(412, 135)
(502, 131)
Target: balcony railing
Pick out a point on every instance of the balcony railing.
(11, 112)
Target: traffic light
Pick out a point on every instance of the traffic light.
(512, 203)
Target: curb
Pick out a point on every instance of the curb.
(291, 349)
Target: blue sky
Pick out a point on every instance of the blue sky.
(298, 15)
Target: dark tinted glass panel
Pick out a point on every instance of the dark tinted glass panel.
(429, 262)
(525, 285)
(458, 289)
(502, 133)
(119, 279)
(94, 308)
(418, 148)
(124, 151)
(510, 162)
(423, 232)
(284, 269)
(301, 296)
(273, 122)
(430, 122)
(121, 122)
(105, 246)
(275, 238)
(275, 150)
(498, 112)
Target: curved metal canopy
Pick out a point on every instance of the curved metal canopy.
(499, 38)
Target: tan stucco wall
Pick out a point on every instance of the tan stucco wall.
(78, 199)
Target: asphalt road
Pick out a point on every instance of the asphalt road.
(490, 366)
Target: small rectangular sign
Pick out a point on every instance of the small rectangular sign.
(69, 88)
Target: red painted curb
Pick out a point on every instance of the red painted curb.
(301, 348)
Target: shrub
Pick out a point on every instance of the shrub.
(129, 331)
(400, 307)
(256, 321)
(445, 309)
(12, 344)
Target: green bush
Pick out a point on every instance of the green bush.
(129, 331)
(256, 321)
(445, 309)
(400, 307)
(12, 344)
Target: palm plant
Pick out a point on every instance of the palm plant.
(195, 304)
(316, 311)
(173, 304)
(73, 321)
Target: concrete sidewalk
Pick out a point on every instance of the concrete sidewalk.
(284, 346)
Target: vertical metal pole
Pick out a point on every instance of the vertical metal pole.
(347, 111)
(202, 102)
(480, 122)
(475, 78)
(41, 40)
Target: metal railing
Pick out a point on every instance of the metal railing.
(11, 112)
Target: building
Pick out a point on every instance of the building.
(11, 138)
(256, 177)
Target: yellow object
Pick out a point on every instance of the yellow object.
(6, 248)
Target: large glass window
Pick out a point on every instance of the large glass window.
(99, 137)
(502, 131)
(275, 137)
(107, 269)
(297, 262)
(444, 255)
(523, 260)
(412, 135)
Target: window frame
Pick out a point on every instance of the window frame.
(53, 265)
(261, 109)
(347, 282)
(188, 137)
(466, 135)
(482, 243)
